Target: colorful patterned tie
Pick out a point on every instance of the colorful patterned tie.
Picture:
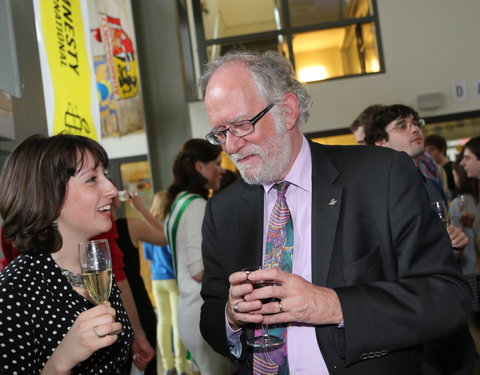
(278, 253)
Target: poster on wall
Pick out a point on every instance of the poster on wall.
(116, 67)
(63, 33)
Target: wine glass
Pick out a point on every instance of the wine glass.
(96, 265)
(441, 209)
(265, 340)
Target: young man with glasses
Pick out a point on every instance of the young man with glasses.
(372, 278)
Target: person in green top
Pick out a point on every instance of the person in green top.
(197, 169)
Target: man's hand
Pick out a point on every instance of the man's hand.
(458, 237)
(297, 300)
(240, 312)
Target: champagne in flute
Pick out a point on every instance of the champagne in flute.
(96, 265)
(98, 284)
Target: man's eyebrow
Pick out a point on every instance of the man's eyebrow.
(400, 122)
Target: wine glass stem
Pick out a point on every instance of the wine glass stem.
(264, 329)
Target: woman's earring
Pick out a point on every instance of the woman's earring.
(55, 224)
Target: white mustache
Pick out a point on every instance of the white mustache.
(253, 150)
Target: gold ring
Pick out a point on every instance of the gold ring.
(281, 308)
(235, 308)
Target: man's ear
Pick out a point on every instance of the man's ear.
(290, 110)
(199, 166)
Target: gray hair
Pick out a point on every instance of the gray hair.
(272, 73)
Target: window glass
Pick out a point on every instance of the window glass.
(226, 18)
(310, 12)
(335, 52)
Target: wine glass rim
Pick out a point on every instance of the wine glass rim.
(102, 240)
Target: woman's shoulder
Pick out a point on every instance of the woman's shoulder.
(25, 271)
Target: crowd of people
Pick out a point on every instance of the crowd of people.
(359, 276)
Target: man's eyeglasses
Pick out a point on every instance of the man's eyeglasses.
(403, 124)
(239, 129)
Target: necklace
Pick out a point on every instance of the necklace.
(73, 279)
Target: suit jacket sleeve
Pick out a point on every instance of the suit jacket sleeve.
(232, 238)
(404, 289)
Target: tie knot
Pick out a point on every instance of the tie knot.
(282, 188)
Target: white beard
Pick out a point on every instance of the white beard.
(275, 157)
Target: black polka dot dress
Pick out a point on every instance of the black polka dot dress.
(37, 308)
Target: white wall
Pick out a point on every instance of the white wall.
(126, 146)
(427, 46)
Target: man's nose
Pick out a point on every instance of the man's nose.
(232, 144)
(414, 128)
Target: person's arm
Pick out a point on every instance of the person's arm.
(141, 348)
(139, 230)
(421, 287)
(137, 202)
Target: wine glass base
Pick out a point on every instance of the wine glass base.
(265, 341)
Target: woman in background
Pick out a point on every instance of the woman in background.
(465, 205)
(130, 232)
(165, 294)
(196, 169)
(54, 194)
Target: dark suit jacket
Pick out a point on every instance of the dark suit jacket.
(380, 247)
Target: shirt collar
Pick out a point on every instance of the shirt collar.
(301, 172)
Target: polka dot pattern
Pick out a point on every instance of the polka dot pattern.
(37, 308)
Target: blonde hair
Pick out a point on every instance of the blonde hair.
(157, 209)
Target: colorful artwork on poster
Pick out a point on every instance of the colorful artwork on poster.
(106, 98)
(123, 61)
(114, 48)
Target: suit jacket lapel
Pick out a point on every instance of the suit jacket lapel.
(326, 204)
(252, 202)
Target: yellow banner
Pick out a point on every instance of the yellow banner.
(63, 36)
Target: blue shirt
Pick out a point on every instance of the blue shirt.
(161, 262)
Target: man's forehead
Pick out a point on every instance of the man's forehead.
(469, 154)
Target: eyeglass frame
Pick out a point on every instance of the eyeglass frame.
(211, 136)
(419, 123)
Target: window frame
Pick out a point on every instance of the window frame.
(287, 32)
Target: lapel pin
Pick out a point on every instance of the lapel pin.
(332, 202)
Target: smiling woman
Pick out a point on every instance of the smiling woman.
(55, 193)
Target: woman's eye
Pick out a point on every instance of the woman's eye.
(92, 179)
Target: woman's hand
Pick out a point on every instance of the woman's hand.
(92, 330)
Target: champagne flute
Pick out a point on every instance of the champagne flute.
(265, 340)
(441, 209)
(96, 265)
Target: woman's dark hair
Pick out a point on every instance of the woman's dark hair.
(186, 178)
(466, 185)
(33, 183)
